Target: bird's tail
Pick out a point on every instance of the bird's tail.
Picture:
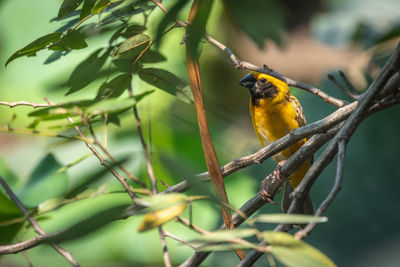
(294, 181)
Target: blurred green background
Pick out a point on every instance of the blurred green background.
(309, 40)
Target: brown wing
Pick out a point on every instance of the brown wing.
(299, 111)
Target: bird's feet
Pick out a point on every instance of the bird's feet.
(277, 174)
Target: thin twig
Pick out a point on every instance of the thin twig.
(349, 85)
(167, 260)
(341, 87)
(109, 155)
(334, 191)
(149, 166)
(180, 240)
(23, 103)
(188, 224)
(103, 162)
(66, 254)
(152, 177)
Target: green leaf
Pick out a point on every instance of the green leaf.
(62, 110)
(86, 8)
(8, 212)
(44, 183)
(86, 71)
(289, 218)
(132, 30)
(293, 252)
(167, 19)
(227, 235)
(73, 40)
(100, 5)
(197, 28)
(167, 82)
(9, 176)
(158, 202)
(132, 47)
(33, 47)
(260, 20)
(67, 7)
(115, 87)
(111, 105)
(225, 247)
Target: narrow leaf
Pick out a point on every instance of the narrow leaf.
(112, 105)
(67, 7)
(289, 218)
(132, 46)
(35, 46)
(176, 205)
(226, 247)
(227, 235)
(293, 252)
(86, 8)
(167, 82)
(100, 5)
(115, 87)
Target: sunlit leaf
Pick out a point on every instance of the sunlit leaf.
(50, 204)
(35, 46)
(293, 252)
(168, 18)
(111, 105)
(167, 82)
(227, 235)
(289, 218)
(132, 46)
(176, 204)
(100, 5)
(44, 183)
(86, 71)
(115, 87)
(260, 20)
(67, 7)
(86, 8)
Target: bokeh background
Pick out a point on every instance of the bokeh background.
(309, 40)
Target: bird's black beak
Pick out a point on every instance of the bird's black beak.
(248, 81)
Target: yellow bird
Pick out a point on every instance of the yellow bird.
(275, 113)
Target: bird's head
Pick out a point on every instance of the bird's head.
(260, 85)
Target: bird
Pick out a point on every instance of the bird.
(275, 112)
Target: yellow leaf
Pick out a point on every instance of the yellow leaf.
(159, 217)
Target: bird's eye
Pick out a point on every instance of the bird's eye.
(263, 80)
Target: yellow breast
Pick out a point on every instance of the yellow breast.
(273, 121)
